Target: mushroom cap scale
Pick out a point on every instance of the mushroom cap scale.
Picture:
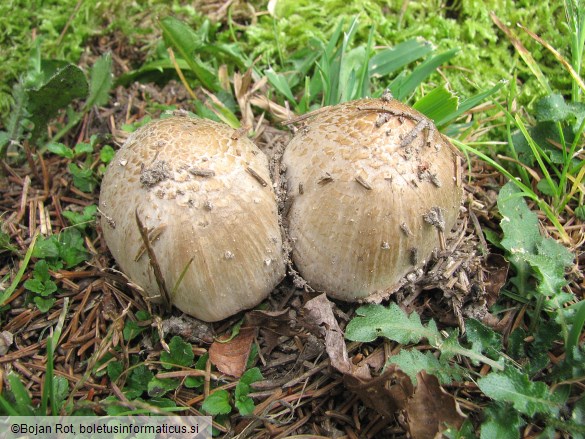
(201, 192)
(373, 186)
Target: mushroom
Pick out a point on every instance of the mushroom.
(372, 188)
(189, 214)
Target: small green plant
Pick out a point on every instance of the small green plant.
(47, 88)
(63, 250)
(42, 286)
(85, 177)
(519, 394)
(220, 403)
(17, 401)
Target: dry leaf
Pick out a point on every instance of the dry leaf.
(386, 394)
(319, 316)
(428, 407)
(495, 276)
(231, 357)
(431, 408)
(6, 340)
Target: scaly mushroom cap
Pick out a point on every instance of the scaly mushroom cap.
(373, 189)
(204, 196)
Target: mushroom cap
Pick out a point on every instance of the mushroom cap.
(204, 195)
(371, 186)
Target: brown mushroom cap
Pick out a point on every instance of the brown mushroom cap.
(204, 196)
(372, 186)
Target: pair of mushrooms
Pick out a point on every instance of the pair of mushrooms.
(190, 214)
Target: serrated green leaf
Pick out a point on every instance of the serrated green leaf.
(217, 403)
(82, 220)
(412, 361)
(83, 178)
(551, 108)
(61, 150)
(528, 397)
(59, 90)
(114, 370)
(100, 82)
(83, 148)
(482, 338)
(521, 233)
(181, 354)
(138, 381)
(245, 405)
(107, 153)
(44, 304)
(158, 387)
(251, 376)
(501, 422)
(373, 321)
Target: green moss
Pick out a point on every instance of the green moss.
(486, 55)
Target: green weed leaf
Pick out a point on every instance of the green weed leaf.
(391, 60)
(243, 402)
(83, 178)
(373, 321)
(133, 329)
(59, 90)
(100, 82)
(483, 339)
(188, 43)
(61, 150)
(529, 251)
(412, 361)
(83, 219)
(181, 354)
(501, 422)
(551, 108)
(138, 381)
(218, 403)
(107, 153)
(438, 104)
(158, 387)
(114, 369)
(526, 396)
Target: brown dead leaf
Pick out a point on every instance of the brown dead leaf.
(386, 393)
(319, 316)
(495, 276)
(189, 328)
(431, 408)
(273, 325)
(276, 321)
(230, 357)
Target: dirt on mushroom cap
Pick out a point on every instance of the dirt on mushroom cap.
(212, 225)
(371, 171)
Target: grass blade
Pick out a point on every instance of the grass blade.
(390, 60)
(470, 103)
(438, 104)
(402, 87)
(186, 42)
(8, 291)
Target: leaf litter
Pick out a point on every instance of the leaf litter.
(312, 380)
